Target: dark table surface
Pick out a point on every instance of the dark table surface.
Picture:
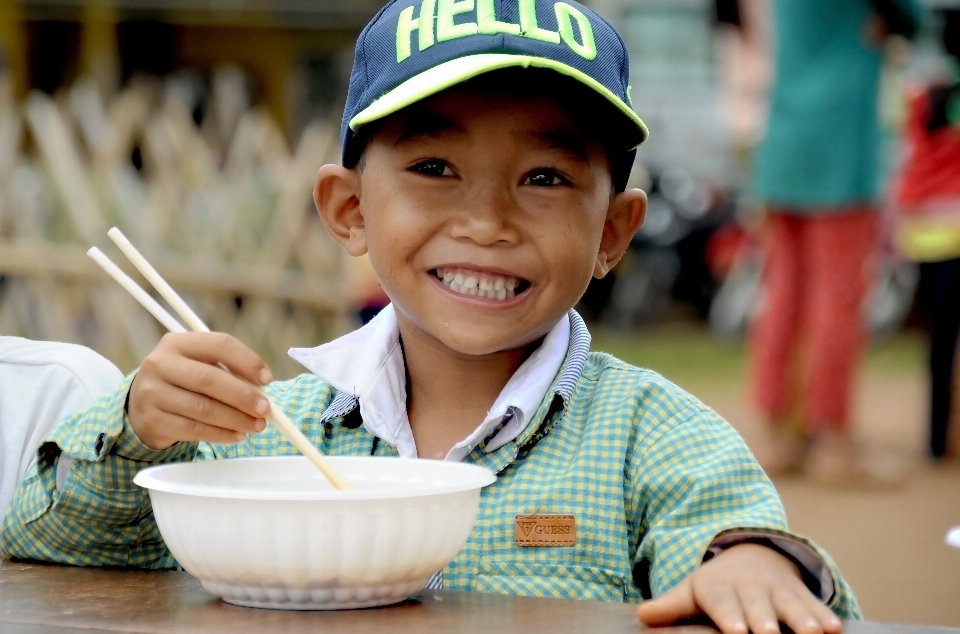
(48, 599)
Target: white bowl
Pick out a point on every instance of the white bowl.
(953, 537)
(273, 533)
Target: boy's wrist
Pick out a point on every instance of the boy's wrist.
(110, 432)
(129, 446)
(814, 570)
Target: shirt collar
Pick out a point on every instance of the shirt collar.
(367, 366)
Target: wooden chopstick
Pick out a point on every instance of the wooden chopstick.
(165, 290)
(134, 289)
(274, 415)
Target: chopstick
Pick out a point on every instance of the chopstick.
(165, 290)
(134, 289)
(275, 415)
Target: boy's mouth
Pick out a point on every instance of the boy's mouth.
(487, 285)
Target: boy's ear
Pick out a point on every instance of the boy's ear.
(337, 197)
(624, 216)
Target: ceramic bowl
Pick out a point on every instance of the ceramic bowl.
(273, 533)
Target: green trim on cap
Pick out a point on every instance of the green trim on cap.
(447, 74)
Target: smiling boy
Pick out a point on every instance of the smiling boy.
(485, 154)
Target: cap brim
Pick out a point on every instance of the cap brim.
(456, 71)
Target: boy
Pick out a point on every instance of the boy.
(486, 149)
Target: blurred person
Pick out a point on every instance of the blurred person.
(928, 209)
(817, 170)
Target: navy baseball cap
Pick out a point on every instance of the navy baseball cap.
(413, 49)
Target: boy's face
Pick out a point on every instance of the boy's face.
(485, 217)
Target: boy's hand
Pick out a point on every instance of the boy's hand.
(179, 392)
(747, 586)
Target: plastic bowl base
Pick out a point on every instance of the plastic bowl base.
(325, 598)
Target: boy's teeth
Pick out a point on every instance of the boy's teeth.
(499, 288)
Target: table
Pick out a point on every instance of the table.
(40, 598)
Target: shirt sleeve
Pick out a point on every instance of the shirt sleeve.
(100, 517)
(700, 486)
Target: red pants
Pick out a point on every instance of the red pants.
(808, 336)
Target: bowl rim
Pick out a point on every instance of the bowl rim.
(150, 479)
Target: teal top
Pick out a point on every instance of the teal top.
(652, 476)
(822, 144)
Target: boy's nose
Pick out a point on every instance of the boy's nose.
(487, 217)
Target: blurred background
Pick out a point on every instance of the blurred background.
(197, 127)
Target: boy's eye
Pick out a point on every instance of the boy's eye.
(432, 167)
(545, 178)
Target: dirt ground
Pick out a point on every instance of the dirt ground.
(889, 544)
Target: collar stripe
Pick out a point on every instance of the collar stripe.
(342, 404)
(576, 359)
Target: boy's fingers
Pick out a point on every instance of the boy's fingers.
(722, 605)
(797, 613)
(209, 380)
(676, 604)
(183, 428)
(829, 621)
(759, 609)
(219, 347)
(209, 411)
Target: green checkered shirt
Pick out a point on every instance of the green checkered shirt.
(651, 475)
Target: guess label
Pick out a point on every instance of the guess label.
(545, 530)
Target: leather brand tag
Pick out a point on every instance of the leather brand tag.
(545, 530)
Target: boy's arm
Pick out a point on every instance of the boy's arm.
(99, 516)
(700, 491)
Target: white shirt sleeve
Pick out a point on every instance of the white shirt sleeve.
(40, 383)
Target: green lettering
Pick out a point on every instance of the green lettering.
(405, 26)
(426, 23)
(528, 24)
(487, 22)
(586, 49)
(446, 29)
(423, 25)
